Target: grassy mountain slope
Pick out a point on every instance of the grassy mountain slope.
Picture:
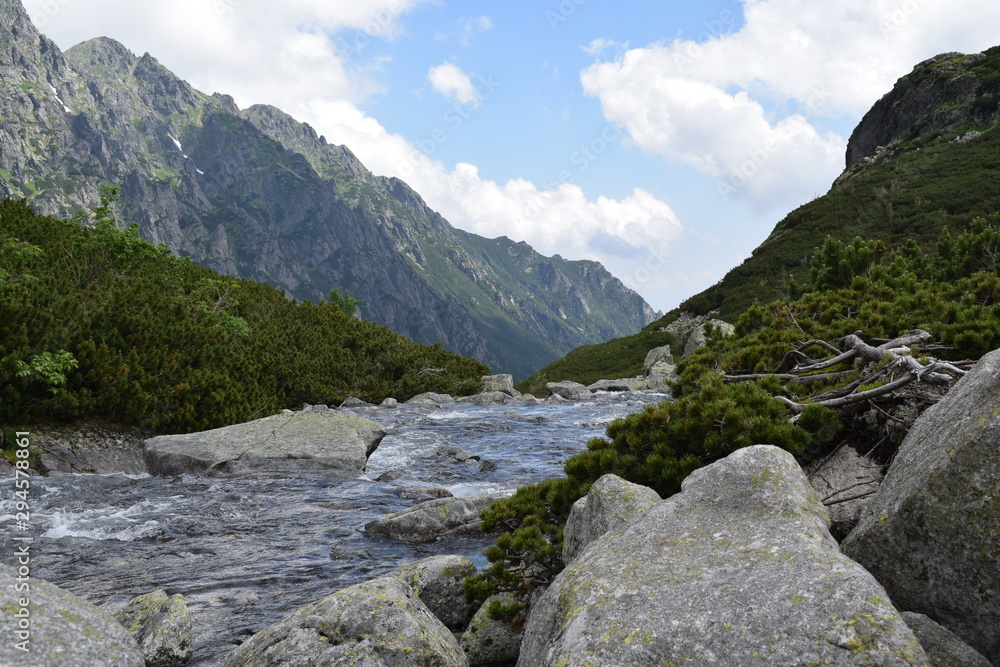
(97, 323)
(938, 168)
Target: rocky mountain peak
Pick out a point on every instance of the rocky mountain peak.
(103, 56)
(942, 94)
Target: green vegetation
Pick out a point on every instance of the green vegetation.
(952, 292)
(96, 322)
(903, 200)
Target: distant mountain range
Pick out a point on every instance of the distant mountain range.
(254, 193)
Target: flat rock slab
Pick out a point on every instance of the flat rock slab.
(738, 569)
(329, 442)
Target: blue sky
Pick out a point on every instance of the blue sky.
(663, 139)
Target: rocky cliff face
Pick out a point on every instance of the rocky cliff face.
(942, 94)
(256, 194)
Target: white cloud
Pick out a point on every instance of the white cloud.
(449, 80)
(708, 104)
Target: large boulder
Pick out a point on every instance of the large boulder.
(331, 442)
(161, 626)
(431, 520)
(378, 622)
(490, 642)
(503, 383)
(571, 391)
(437, 581)
(659, 368)
(943, 647)
(931, 535)
(612, 502)
(737, 569)
(89, 447)
(46, 626)
(487, 398)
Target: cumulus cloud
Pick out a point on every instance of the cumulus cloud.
(705, 102)
(449, 80)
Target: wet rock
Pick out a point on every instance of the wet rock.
(839, 477)
(571, 391)
(389, 403)
(930, 535)
(556, 399)
(457, 454)
(487, 466)
(424, 492)
(60, 628)
(161, 626)
(737, 569)
(379, 622)
(611, 502)
(487, 398)
(354, 402)
(331, 442)
(50, 466)
(943, 647)
(613, 385)
(430, 520)
(431, 398)
(489, 642)
(437, 581)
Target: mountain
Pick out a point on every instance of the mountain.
(925, 158)
(254, 193)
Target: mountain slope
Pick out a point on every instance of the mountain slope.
(926, 157)
(255, 194)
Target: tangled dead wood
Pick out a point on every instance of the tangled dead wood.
(875, 371)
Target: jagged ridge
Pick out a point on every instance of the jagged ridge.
(256, 194)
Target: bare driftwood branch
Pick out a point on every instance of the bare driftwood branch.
(790, 378)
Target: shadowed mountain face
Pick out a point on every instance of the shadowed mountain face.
(256, 194)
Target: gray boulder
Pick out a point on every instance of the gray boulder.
(504, 383)
(612, 502)
(738, 569)
(354, 402)
(624, 384)
(571, 391)
(659, 368)
(699, 337)
(931, 535)
(161, 626)
(431, 398)
(437, 581)
(489, 642)
(331, 442)
(943, 647)
(389, 403)
(89, 447)
(379, 622)
(431, 520)
(847, 481)
(487, 398)
(58, 628)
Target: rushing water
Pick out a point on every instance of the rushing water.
(246, 551)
